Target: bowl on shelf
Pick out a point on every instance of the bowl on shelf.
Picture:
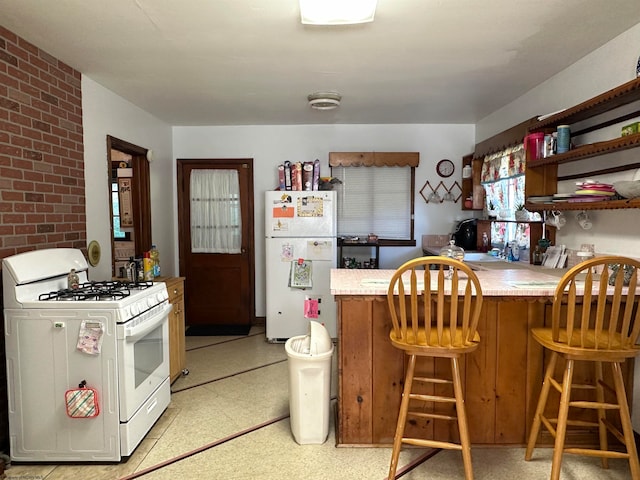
(628, 188)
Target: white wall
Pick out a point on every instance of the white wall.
(104, 113)
(271, 145)
(614, 231)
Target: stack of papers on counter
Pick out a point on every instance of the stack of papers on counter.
(555, 257)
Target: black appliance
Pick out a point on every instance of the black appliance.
(465, 234)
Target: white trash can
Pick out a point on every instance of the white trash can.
(310, 384)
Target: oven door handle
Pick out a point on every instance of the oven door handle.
(132, 334)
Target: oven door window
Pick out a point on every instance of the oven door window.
(143, 363)
(148, 355)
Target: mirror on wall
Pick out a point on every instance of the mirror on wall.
(130, 202)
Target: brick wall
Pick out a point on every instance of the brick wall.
(41, 162)
(41, 150)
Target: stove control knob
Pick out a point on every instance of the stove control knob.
(159, 297)
(134, 309)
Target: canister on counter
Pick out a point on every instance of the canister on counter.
(548, 145)
(147, 266)
(564, 138)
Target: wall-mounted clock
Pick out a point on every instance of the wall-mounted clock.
(445, 168)
(93, 251)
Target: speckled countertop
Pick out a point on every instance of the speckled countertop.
(519, 282)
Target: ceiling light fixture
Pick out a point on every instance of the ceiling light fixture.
(337, 12)
(324, 100)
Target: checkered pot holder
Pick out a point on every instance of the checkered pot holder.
(82, 402)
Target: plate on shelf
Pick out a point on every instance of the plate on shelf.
(541, 199)
(587, 198)
(595, 192)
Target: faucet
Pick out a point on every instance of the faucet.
(504, 253)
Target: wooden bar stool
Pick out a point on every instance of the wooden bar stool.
(431, 318)
(597, 323)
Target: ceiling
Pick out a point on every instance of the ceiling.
(251, 62)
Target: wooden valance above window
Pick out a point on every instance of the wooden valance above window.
(374, 159)
(503, 140)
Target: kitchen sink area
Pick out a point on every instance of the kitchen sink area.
(481, 257)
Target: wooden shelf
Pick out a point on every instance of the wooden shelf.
(603, 205)
(610, 100)
(347, 244)
(590, 150)
(496, 220)
(542, 174)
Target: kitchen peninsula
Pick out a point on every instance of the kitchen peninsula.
(502, 378)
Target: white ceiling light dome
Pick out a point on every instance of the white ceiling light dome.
(324, 100)
(337, 12)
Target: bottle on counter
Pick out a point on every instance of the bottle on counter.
(147, 266)
(452, 251)
(73, 280)
(485, 242)
(155, 260)
(537, 256)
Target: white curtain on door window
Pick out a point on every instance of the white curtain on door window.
(215, 211)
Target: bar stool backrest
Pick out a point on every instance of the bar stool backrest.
(596, 305)
(435, 294)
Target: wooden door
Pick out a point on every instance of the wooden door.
(218, 286)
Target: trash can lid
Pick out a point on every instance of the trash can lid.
(320, 340)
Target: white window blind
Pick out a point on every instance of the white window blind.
(374, 200)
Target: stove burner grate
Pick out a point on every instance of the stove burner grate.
(96, 291)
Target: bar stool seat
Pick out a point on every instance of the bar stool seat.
(435, 304)
(596, 323)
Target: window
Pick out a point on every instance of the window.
(376, 195)
(115, 202)
(503, 181)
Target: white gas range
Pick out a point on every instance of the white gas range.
(112, 335)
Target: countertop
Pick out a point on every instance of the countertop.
(520, 282)
(484, 261)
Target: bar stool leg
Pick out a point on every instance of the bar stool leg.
(602, 416)
(542, 402)
(462, 419)
(625, 420)
(402, 418)
(563, 414)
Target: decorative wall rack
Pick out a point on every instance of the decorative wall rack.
(441, 193)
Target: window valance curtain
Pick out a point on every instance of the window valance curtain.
(508, 163)
(374, 159)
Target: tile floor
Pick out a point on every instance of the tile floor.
(228, 419)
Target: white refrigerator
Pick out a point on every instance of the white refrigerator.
(300, 250)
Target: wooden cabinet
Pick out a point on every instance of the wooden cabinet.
(471, 184)
(177, 351)
(501, 379)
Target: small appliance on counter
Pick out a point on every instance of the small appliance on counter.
(465, 234)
